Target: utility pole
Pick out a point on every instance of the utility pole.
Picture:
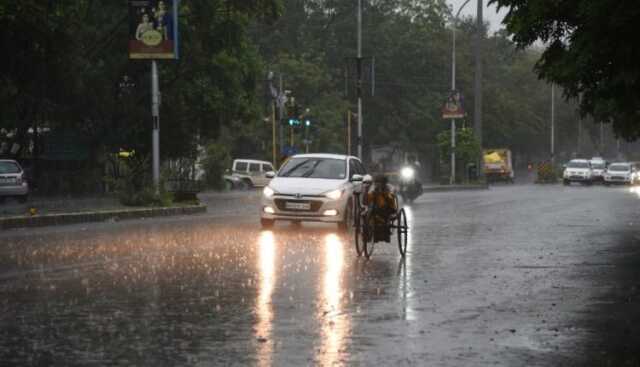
(273, 134)
(281, 111)
(359, 88)
(453, 88)
(349, 131)
(477, 110)
(155, 116)
(601, 138)
(553, 123)
(579, 148)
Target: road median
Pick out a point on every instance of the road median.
(445, 188)
(23, 221)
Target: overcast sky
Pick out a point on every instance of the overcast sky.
(490, 13)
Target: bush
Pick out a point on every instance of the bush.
(135, 185)
(547, 173)
(217, 160)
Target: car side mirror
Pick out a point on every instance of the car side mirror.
(270, 174)
(356, 178)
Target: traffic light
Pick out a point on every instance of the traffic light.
(307, 123)
(293, 121)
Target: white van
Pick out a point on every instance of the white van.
(251, 172)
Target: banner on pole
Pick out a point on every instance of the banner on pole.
(452, 108)
(153, 29)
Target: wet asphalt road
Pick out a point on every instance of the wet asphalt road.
(513, 276)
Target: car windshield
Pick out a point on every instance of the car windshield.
(9, 167)
(315, 168)
(598, 165)
(619, 167)
(574, 164)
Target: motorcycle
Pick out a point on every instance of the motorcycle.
(410, 187)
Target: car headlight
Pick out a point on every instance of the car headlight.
(268, 192)
(407, 173)
(334, 195)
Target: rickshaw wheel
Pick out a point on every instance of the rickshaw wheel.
(368, 230)
(401, 230)
(358, 233)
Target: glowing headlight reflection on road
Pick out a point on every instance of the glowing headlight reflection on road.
(335, 325)
(635, 190)
(264, 307)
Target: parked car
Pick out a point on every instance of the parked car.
(578, 170)
(619, 173)
(313, 187)
(13, 182)
(249, 172)
(598, 167)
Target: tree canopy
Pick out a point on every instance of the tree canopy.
(591, 50)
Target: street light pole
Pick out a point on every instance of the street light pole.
(359, 88)
(553, 123)
(453, 88)
(477, 110)
(155, 116)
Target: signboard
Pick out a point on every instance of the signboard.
(452, 108)
(288, 151)
(153, 29)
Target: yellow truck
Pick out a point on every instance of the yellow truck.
(497, 165)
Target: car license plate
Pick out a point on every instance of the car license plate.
(7, 180)
(297, 206)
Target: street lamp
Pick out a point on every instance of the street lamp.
(453, 88)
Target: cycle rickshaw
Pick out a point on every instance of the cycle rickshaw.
(370, 227)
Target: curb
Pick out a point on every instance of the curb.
(99, 216)
(446, 188)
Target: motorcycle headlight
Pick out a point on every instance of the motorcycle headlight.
(268, 192)
(334, 195)
(407, 173)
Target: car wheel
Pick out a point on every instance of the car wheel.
(607, 183)
(247, 184)
(266, 223)
(566, 182)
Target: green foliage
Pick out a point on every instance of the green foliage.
(135, 185)
(591, 51)
(467, 147)
(547, 173)
(217, 160)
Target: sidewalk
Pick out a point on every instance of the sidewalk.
(42, 211)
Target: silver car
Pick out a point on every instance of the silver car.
(12, 181)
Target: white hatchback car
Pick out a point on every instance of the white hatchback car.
(313, 188)
(578, 170)
(619, 173)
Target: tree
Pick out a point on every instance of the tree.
(591, 52)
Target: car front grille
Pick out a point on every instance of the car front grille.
(314, 205)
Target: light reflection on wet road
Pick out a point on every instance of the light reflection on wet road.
(498, 277)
